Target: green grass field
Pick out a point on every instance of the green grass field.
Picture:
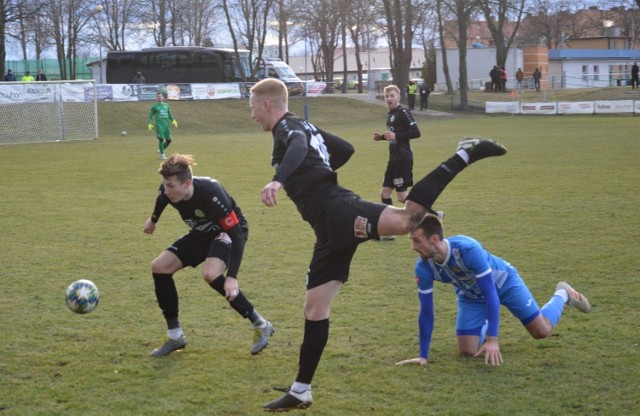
(561, 205)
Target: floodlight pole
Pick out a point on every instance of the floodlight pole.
(99, 10)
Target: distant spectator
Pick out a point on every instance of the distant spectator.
(503, 79)
(519, 78)
(634, 76)
(412, 89)
(139, 79)
(424, 96)
(10, 76)
(41, 76)
(537, 74)
(494, 74)
(27, 77)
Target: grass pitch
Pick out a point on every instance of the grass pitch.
(561, 205)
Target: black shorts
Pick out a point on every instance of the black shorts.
(193, 248)
(346, 221)
(399, 175)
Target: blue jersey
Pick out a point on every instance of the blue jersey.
(466, 262)
(467, 267)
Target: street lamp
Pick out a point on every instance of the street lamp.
(99, 11)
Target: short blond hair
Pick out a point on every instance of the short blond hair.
(392, 87)
(273, 89)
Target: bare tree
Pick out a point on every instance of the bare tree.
(323, 29)
(70, 19)
(362, 30)
(463, 10)
(399, 15)
(548, 23)
(14, 18)
(498, 13)
(441, 13)
(113, 24)
(248, 21)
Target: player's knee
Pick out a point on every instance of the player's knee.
(541, 333)
(209, 276)
(156, 266)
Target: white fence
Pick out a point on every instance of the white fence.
(565, 107)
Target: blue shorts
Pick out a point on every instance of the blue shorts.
(515, 295)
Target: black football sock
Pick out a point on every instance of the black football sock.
(167, 296)
(241, 304)
(426, 190)
(316, 335)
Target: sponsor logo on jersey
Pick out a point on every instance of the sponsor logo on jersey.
(224, 238)
(199, 213)
(360, 227)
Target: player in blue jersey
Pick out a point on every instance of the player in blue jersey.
(482, 282)
(305, 159)
(217, 236)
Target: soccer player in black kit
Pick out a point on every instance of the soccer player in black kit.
(305, 159)
(217, 236)
(401, 128)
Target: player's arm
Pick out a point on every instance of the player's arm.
(340, 150)
(297, 149)
(161, 203)
(490, 348)
(426, 316)
(412, 132)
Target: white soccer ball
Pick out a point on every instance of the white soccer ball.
(82, 296)
(123, 133)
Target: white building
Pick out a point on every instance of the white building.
(589, 68)
(479, 62)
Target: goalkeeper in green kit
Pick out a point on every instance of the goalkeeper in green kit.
(161, 111)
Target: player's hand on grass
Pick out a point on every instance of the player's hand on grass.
(270, 192)
(149, 226)
(491, 351)
(174, 123)
(231, 289)
(149, 126)
(418, 360)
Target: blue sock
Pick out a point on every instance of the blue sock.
(553, 309)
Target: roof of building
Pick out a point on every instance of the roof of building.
(599, 54)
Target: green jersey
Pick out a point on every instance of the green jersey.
(162, 113)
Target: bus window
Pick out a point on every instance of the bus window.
(272, 73)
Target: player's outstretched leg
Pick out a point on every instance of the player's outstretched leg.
(470, 150)
(576, 299)
(479, 148)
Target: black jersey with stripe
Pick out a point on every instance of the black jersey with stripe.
(305, 159)
(204, 211)
(401, 122)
